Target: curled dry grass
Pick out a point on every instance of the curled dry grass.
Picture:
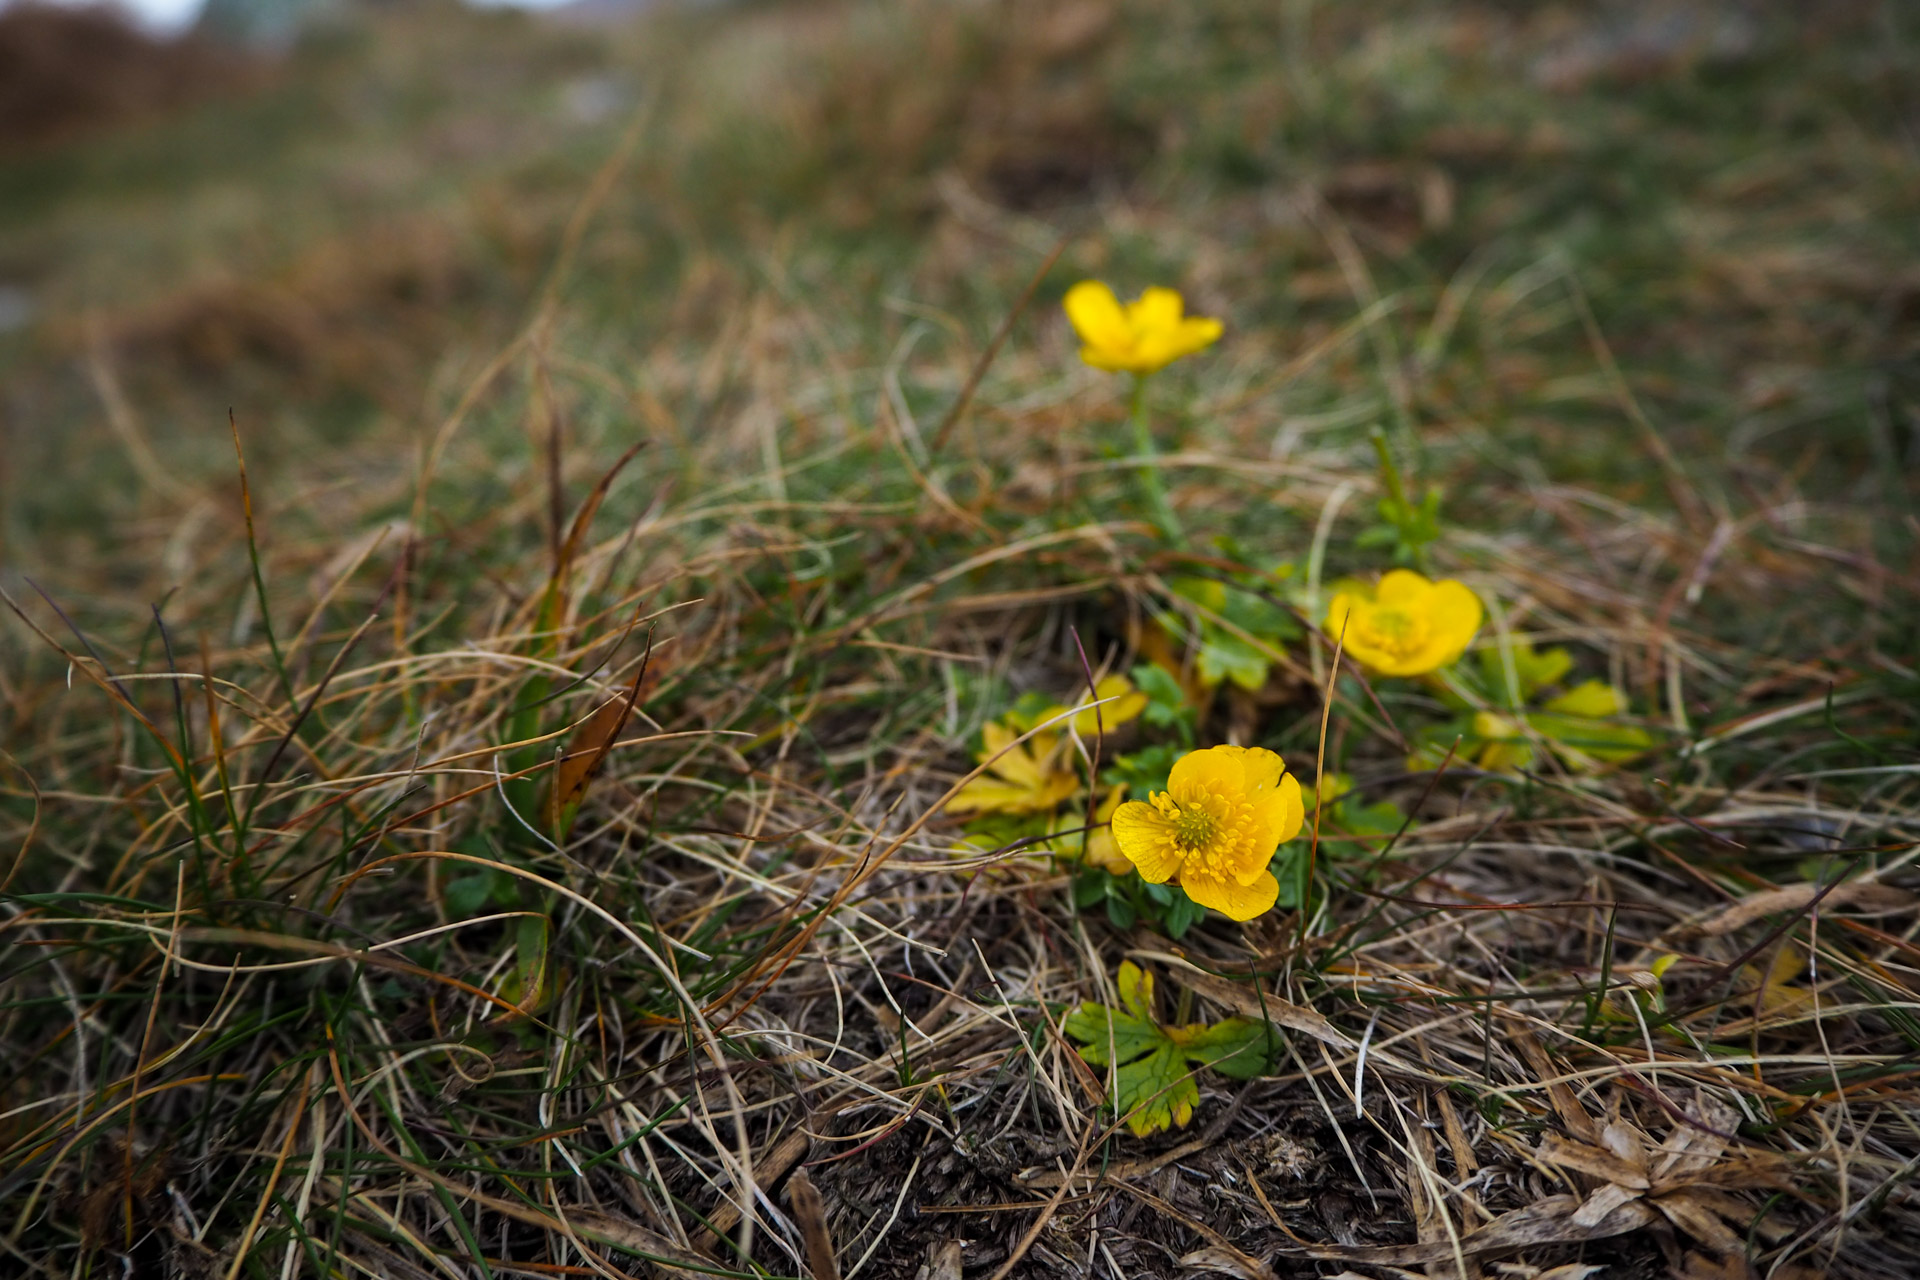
(311, 972)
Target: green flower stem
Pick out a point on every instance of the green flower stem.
(1403, 512)
(1389, 472)
(1150, 481)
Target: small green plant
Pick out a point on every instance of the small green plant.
(1239, 624)
(1153, 1084)
(1407, 526)
(1128, 900)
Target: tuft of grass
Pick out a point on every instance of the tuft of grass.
(494, 828)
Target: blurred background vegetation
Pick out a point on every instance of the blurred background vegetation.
(330, 237)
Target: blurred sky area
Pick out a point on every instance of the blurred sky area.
(170, 17)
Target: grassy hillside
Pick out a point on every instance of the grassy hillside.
(526, 547)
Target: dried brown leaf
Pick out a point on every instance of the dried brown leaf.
(1688, 1213)
(1592, 1161)
(1869, 895)
(1601, 1204)
(1547, 1221)
(1227, 1262)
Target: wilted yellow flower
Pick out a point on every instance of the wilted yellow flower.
(1593, 699)
(1215, 828)
(1036, 775)
(1101, 851)
(1139, 337)
(1031, 777)
(1407, 626)
(1127, 704)
(1505, 747)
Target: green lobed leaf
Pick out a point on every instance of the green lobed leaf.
(1108, 1035)
(1166, 701)
(1153, 1087)
(1143, 772)
(1156, 1092)
(1224, 656)
(1238, 1048)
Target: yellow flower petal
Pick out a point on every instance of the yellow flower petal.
(1156, 310)
(1234, 901)
(1143, 336)
(1281, 818)
(1263, 768)
(1409, 626)
(1339, 623)
(1401, 587)
(1146, 838)
(1216, 826)
(1214, 767)
(1454, 612)
(1096, 316)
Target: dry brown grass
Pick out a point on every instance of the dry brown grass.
(304, 978)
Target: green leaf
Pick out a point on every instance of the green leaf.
(1106, 1035)
(1142, 772)
(1289, 868)
(1592, 699)
(1596, 738)
(1383, 818)
(1237, 1048)
(1534, 670)
(1090, 886)
(1224, 656)
(997, 830)
(1181, 915)
(1029, 710)
(1259, 616)
(1156, 1092)
(1209, 594)
(1153, 1088)
(1166, 701)
(527, 984)
(472, 895)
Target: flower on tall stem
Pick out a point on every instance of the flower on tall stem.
(1139, 338)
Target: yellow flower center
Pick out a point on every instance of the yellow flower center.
(1212, 830)
(1193, 829)
(1393, 631)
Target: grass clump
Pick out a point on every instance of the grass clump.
(645, 710)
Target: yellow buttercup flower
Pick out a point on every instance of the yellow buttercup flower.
(1140, 337)
(1215, 828)
(1407, 626)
